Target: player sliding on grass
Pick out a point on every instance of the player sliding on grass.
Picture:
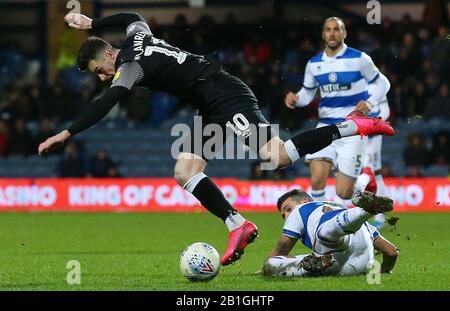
(341, 239)
(221, 99)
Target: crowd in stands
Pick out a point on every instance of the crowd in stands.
(75, 163)
(269, 57)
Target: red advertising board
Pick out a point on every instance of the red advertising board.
(164, 195)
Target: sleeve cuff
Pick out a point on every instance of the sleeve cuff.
(291, 234)
(374, 78)
(309, 87)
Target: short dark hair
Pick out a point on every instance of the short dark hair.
(338, 20)
(294, 193)
(89, 50)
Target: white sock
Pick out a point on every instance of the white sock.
(347, 128)
(291, 151)
(318, 195)
(193, 182)
(284, 266)
(344, 223)
(361, 182)
(234, 221)
(381, 187)
(380, 218)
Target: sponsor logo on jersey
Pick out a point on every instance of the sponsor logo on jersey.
(336, 87)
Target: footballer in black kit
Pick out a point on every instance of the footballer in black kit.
(221, 99)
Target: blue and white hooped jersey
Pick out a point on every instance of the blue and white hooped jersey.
(343, 81)
(304, 221)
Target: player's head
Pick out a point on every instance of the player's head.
(288, 201)
(97, 56)
(333, 32)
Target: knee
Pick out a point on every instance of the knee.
(275, 158)
(180, 176)
(344, 193)
(318, 182)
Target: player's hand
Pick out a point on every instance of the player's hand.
(363, 106)
(291, 100)
(53, 142)
(78, 21)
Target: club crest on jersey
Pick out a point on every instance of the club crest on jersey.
(332, 76)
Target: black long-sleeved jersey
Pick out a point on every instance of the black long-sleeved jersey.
(152, 63)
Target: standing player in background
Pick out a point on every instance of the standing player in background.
(222, 100)
(342, 74)
(371, 178)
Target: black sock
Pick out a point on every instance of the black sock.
(213, 199)
(314, 140)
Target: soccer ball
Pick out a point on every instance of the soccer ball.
(200, 262)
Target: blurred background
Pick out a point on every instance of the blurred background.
(266, 43)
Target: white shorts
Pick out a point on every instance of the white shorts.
(356, 259)
(346, 154)
(372, 154)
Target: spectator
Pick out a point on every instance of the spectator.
(113, 172)
(100, 164)
(414, 171)
(35, 98)
(439, 106)
(23, 143)
(71, 163)
(386, 170)
(45, 131)
(416, 152)
(435, 14)
(415, 103)
(4, 138)
(256, 172)
(440, 152)
(138, 106)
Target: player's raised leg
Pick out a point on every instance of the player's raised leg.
(348, 221)
(313, 140)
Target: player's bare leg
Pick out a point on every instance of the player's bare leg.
(344, 186)
(319, 170)
(274, 154)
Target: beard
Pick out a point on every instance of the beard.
(335, 45)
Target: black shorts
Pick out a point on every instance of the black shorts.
(206, 139)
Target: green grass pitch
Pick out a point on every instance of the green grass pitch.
(134, 251)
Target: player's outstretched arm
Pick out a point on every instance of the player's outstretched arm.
(95, 112)
(78, 21)
(284, 246)
(389, 251)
